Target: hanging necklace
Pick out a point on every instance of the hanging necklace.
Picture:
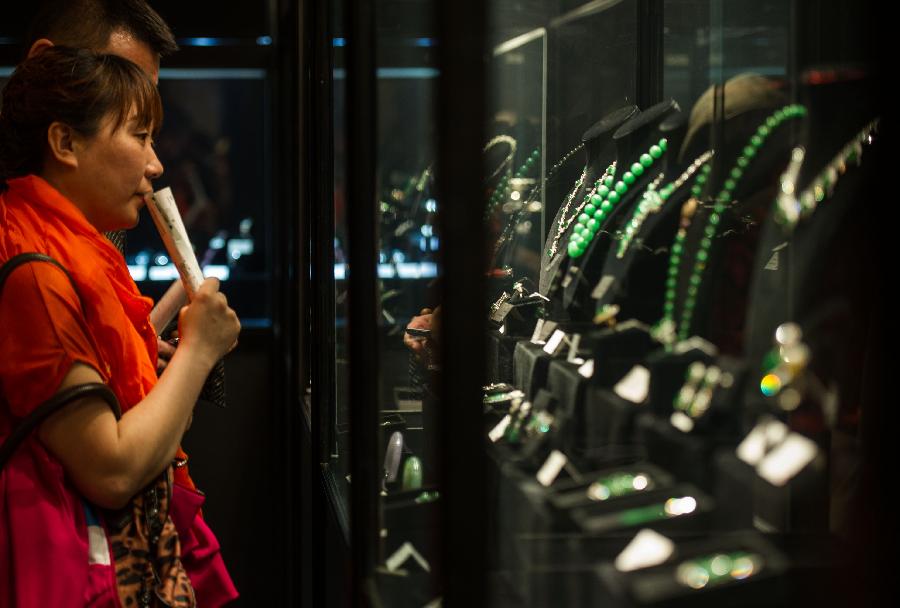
(516, 219)
(790, 208)
(507, 162)
(607, 197)
(653, 200)
(505, 186)
(666, 329)
(564, 223)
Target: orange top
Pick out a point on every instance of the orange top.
(44, 328)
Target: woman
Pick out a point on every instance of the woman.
(77, 159)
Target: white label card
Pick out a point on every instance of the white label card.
(551, 468)
(647, 549)
(788, 459)
(682, 422)
(538, 328)
(603, 286)
(587, 370)
(555, 342)
(635, 386)
(497, 432)
(402, 554)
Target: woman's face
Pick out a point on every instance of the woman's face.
(114, 174)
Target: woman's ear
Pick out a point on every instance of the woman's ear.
(61, 142)
(39, 45)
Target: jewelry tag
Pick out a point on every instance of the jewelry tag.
(551, 468)
(587, 369)
(647, 549)
(555, 342)
(497, 432)
(547, 330)
(635, 386)
(603, 286)
(402, 554)
(538, 328)
(682, 422)
(788, 459)
(761, 440)
(499, 315)
(574, 341)
(567, 280)
(697, 343)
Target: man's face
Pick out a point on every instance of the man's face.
(125, 45)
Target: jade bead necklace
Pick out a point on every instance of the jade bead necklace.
(605, 199)
(564, 223)
(791, 207)
(667, 329)
(652, 201)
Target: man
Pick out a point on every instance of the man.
(128, 28)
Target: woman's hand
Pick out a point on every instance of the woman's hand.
(207, 327)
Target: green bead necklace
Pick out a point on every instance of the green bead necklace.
(653, 200)
(790, 206)
(605, 199)
(504, 187)
(564, 223)
(666, 329)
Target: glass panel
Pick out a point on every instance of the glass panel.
(408, 270)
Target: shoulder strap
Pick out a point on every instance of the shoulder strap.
(62, 398)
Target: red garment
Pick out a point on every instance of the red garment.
(43, 333)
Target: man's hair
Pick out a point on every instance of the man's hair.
(90, 23)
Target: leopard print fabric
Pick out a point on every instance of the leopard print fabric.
(147, 553)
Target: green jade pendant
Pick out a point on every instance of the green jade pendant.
(412, 473)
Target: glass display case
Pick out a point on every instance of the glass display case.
(609, 344)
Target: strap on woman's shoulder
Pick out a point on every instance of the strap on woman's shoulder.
(62, 398)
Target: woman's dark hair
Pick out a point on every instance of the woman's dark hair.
(76, 87)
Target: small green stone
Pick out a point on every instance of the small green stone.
(629, 178)
(656, 151)
(714, 219)
(702, 255)
(756, 141)
(749, 152)
(695, 280)
(701, 179)
(710, 231)
(679, 237)
(742, 162)
(730, 185)
(706, 243)
(637, 169)
(763, 131)
(593, 225)
(613, 198)
(692, 293)
(646, 160)
(596, 200)
(583, 218)
(771, 122)
(607, 205)
(664, 144)
(673, 269)
(621, 188)
(670, 294)
(671, 283)
(609, 181)
(736, 173)
(602, 193)
(696, 191)
(590, 208)
(669, 307)
(699, 267)
(677, 248)
(574, 250)
(780, 115)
